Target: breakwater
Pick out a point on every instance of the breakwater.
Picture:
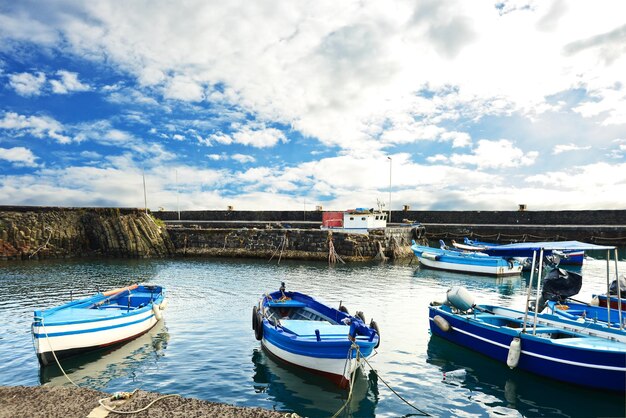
(595, 226)
(304, 244)
(50, 232)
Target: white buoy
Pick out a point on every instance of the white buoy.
(441, 323)
(595, 301)
(515, 349)
(163, 304)
(157, 312)
(460, 298)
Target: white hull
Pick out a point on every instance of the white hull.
(469, 268)
(79, 336)
(335, 367)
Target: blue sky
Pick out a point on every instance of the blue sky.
(288, 105)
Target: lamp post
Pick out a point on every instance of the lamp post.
(389, 158)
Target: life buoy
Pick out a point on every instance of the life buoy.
(374, 326)
(258, 331)
(255, 311)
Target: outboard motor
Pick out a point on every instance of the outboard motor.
(460, 298)
(622, 287)
(558, 285)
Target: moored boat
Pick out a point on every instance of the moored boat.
(549, 350)
(97, 321)
(465, 262)
(569, 252)
(299, 330)
(573, 350)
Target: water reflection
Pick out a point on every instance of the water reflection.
(98, 368)
(494, 385)
(310, 395)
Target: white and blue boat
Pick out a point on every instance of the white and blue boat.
(570, 252)
(465, 261)
(571, 350)
(301, 331)
(598, 316)
(95, 322)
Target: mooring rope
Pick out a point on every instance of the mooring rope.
(54, 354)
(352, 375)
(118, 395)
(352, 380)
(46, 244)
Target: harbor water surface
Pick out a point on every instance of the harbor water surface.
(205, 347)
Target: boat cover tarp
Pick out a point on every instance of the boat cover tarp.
(528, 247)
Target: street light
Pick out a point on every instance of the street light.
(389, 158)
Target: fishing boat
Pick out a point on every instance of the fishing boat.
(565, 349)
(97, 321)
(354, 221)
(584, 312)
(301, 331)
(569, 253)
(465, 262)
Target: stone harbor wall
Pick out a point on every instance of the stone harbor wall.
(41, 232)
(306, 244)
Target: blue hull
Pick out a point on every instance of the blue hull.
(301, 331)
(580, 364)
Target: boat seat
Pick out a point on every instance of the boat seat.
(307, 328)
(285, 304)
(116, 307)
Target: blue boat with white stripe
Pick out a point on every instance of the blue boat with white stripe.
(465, 261)
(569, 348)
(97, 321)
(299, 330)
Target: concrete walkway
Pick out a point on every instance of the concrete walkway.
(68, 402)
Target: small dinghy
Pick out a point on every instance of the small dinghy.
(301, 331)
(97, 321)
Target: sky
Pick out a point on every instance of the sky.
(290, 105)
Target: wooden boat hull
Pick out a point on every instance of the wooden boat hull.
(321, 345)
(72, 329)
(602, 300)
(466, 262)
(553, 352)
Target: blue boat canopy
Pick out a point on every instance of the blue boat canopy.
(553, 246)
(526, 249)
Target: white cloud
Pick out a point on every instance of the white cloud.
(242, 158)
(38, 126)
(568, 147)
(19, 156)
(495, 154)
(246, 135)
(67, 83)
(26, 84)
(184, 88)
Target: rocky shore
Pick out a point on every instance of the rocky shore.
(68, 402)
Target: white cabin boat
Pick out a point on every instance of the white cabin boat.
(355, 221)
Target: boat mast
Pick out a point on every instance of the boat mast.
(539, 274)
(619, 295)
(530, 289)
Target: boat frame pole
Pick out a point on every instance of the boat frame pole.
(608, 286)
(539, 275)
(619, 295)
(530, 290)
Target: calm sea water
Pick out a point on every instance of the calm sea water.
(205, 348)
